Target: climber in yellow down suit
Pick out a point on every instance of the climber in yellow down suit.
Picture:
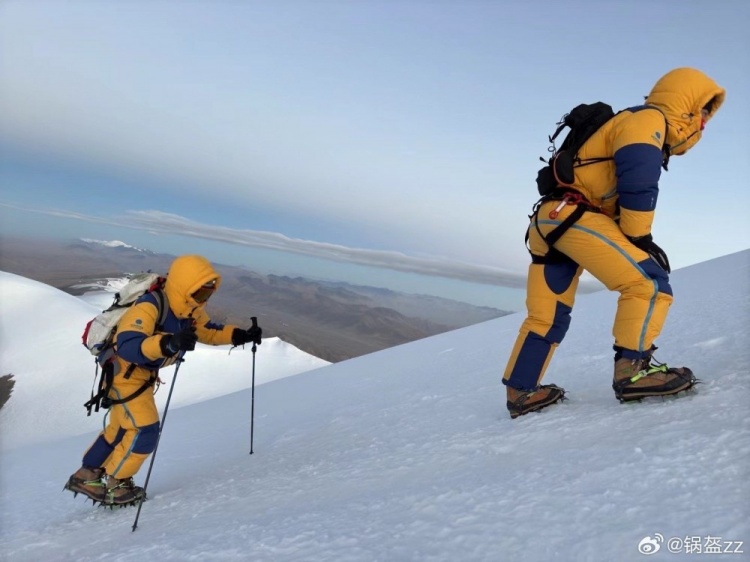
(152, 334)
(612, 241)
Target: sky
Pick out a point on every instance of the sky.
(407, 454)
(390, 143)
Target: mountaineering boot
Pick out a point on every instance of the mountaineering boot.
(638, 378)
(522, 402)
(123, 492)
(89, 482)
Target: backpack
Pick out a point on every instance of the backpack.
(98, 335)
(583, 121)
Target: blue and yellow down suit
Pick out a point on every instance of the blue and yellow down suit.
(133, 427)
(624, 191)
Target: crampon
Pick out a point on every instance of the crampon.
(521, 402)
(650, 380)
(97, 487)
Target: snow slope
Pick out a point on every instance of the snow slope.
(408, 454)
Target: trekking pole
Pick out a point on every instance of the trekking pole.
(158, 438)
(252, 402)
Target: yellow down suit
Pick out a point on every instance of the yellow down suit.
(620, 195)
(132, 429)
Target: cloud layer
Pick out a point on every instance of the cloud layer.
(162, 223)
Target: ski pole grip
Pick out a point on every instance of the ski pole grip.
(254, 320)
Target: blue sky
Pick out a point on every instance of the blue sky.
(385, 142)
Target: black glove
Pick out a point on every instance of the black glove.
(184, 340)
(252, 335)
(646, 243)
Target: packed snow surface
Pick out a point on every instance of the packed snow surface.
(407, 454)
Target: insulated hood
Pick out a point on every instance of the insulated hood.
(186, 275)
(681, 94)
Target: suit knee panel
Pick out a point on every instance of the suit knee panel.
(145, 441)
(656, 273)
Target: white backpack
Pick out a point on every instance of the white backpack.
(99, 331)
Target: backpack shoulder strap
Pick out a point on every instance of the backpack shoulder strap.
(162, 306)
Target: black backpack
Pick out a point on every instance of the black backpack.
(583, 121)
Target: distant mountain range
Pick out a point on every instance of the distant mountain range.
(331, 320)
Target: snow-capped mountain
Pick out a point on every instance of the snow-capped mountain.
(112, 244)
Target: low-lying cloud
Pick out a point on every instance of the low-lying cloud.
(159, 222)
